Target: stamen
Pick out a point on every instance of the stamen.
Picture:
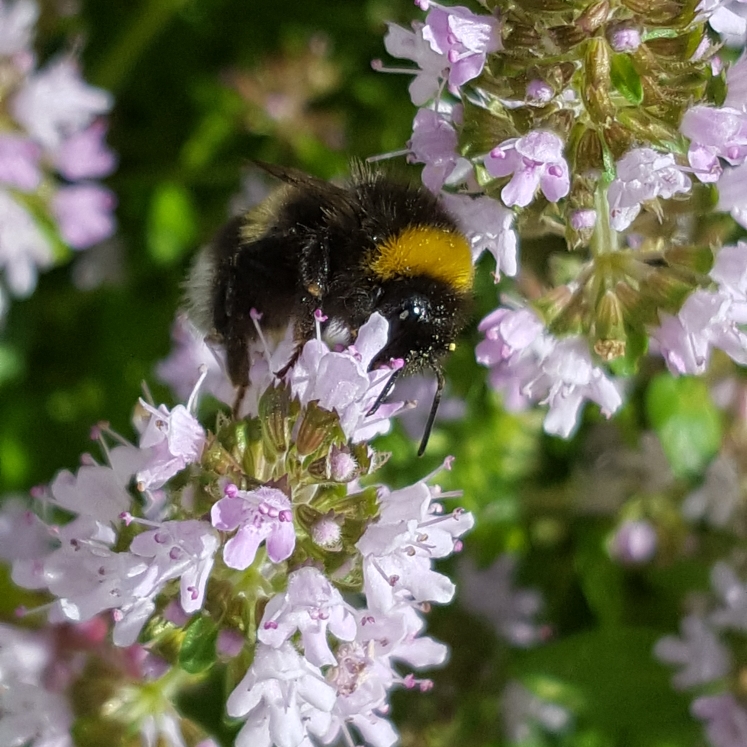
(191, 402)
(387, 156)
(255, 317)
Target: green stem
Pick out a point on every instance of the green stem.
(604, 238)
(125, 53)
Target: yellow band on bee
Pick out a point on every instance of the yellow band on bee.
(423, 250)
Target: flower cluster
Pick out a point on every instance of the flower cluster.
(51, 152)
(579, 127)
(258, 538)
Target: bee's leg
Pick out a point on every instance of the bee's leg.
(237, 363)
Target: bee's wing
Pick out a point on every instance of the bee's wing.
(300, 179)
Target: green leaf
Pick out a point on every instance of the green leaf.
(172, 224)
(198, 649)
(625, 78)
(686, 420)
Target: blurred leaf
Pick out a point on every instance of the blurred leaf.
(172, 223)
(635, 348)
(198, 649)
(686, 420)
(625, 78)
(11, 363)
(601, 579)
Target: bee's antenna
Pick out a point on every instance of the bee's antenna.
(434, 409)
(386, 390)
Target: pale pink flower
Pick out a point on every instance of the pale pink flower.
(19, 162)
(410, 45)
(310, 605)
(540, 92)
(282, 698)
(17, 21)
(491, 594)
(726, 719)
(523, 711)
(699, 652)
(489, 226)
(174, 439)
(84, 154)
(536, 162)
(464, 37)
(643, 174)
(528, 365)
(23, 247)
(624, 38)
(262, 515)
(341, 382)
(84, 213)
(56, 102)
(399, 548)
(714, 134)
(179, 549)
(732, 193)
(434, 143)
(96, 491)
(705, 321)
(718, 498)
(634, 542)
(732, 593)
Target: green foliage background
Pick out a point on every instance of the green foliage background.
(185, 136)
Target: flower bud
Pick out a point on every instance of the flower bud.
(624, 37)
(274, 411)
(609, 327)
(317, 425)
(596, 91)
(594, 16)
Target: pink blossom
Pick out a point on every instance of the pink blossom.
(282, 698)
(178, 549)
(705, 321)
(726, 720)
(714, 133)
(259, 515)
(732, 193)
(643, 174)
(342, 382)
(536, 162)
(96, 491)
(84, 213)
(399, 548)
(17, 21)
(732, 594)
(434, 143)
(539, 91)
(463, 37)
(19, 162)
(56, 102)
(489, 226)
(31, 712)
(310, 605)
(491, 593)
(175, 439)
(531, 365)
(730, 272)
(84, 154)
(634, 542)
(410, 45)
(736, 85)
(624, 38)
(23, 247)
(699, 652)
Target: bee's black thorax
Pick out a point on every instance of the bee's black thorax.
(376, 245)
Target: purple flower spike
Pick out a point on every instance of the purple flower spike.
(259, 515)
(536, 162)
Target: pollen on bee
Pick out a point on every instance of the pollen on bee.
(452, 347)
(424, 250)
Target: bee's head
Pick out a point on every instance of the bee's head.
(425, 317)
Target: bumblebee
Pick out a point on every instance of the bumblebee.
(374, 244)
